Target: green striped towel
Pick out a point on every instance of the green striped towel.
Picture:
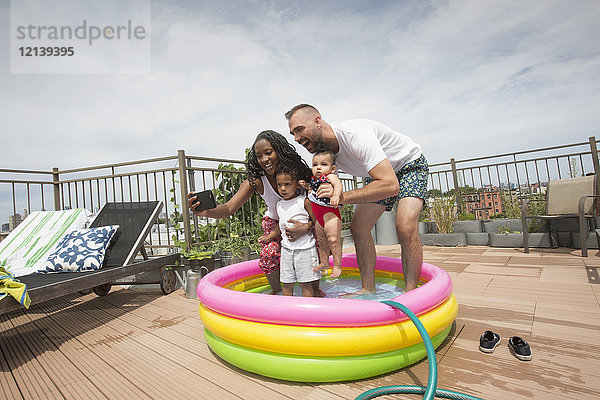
(27, 247)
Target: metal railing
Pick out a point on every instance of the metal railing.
(142, 180)
(515, 173)
(161, 179)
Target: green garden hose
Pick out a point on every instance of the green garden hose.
(428, 392)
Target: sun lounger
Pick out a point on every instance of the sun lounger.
(135, 221)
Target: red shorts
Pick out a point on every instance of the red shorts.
(319, 211)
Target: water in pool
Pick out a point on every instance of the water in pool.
(336, 288)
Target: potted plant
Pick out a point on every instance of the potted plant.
(506, 237)
(228, 248)
(198, 258)
(442, 211)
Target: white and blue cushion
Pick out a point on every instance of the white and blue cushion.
(80, 250)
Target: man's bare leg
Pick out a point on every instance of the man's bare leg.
(407, 228)
(365, 217)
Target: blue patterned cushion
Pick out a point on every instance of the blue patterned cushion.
(80, 250)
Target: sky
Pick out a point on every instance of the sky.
(462, 78)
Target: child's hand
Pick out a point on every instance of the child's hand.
(303, 184)
(334, 201)
(263, 239)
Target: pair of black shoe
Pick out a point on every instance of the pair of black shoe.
(519, 347)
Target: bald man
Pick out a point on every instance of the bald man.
(394, 169)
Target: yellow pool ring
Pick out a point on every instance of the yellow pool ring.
(319, 341)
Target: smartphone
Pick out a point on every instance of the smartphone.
(206, 200)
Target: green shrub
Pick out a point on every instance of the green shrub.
(466, 217)
(498, 216)
(443, 212)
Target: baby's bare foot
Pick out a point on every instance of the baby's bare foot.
(336, 272)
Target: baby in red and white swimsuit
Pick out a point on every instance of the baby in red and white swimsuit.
(326, 211)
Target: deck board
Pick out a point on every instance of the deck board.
(140, 344)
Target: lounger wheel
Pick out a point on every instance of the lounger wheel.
(102, 290)
(86, 291)
(168, 281)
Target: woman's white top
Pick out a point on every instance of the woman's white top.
(271, 197)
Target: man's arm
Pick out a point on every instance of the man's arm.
(384, 185)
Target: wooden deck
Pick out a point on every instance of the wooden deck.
(141, 344)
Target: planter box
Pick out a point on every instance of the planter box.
(467, 226)
(592, 243)
(385, 229)
(444, 239)
(478, 239)
(493, 225)
(516, 240)
(507, 240)
(564, 239)
(346, 238)
(203, 266)
(539, 239)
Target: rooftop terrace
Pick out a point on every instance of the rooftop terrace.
(139, 343)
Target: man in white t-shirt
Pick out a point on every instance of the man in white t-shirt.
(395, 170)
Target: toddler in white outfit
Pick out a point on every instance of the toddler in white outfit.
(298, 258)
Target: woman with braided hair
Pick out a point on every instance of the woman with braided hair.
(268, 151)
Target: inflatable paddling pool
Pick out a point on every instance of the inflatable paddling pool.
(321, 339)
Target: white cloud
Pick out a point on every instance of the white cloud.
(496, 75)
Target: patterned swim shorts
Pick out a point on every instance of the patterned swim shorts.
(413, 182)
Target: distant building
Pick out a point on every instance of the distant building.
(14, 221)
(6, 227)
(539, 188)
(484, 203)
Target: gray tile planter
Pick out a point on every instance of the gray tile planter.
(431, 227)
(493, 225)
(506, 239)
(539, 239)
(347, 240)
(564, 239)
(385, 229)
(444, 239)
(478, 239)
(516, 240)
(592, 243)
(467, 226)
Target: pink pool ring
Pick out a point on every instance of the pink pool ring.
(320, 312)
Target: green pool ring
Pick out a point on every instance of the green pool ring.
(318, 369)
